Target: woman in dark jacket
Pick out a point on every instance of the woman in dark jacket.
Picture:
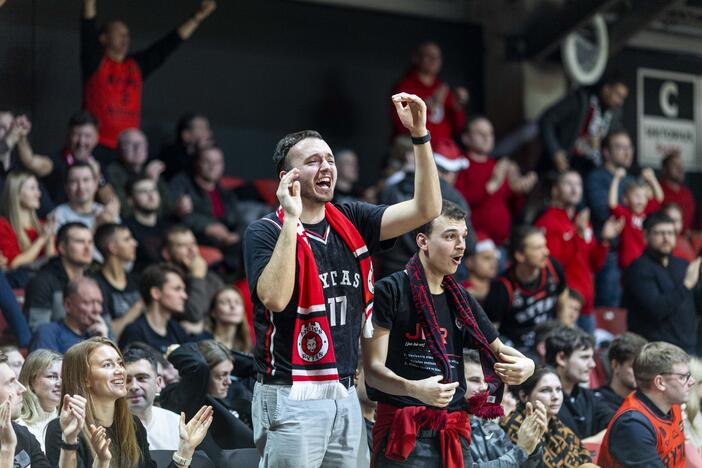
(205, 375)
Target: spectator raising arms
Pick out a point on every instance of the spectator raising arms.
(24, 239)
(113, 78)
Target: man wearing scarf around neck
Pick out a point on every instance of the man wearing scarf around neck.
(309, 271)
(414, 362)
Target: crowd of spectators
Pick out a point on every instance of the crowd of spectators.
(108, 241)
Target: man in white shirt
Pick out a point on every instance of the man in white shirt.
(143, 383)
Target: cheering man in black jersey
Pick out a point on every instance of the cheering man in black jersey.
(530, 291)
(414, 361)
(308, 267)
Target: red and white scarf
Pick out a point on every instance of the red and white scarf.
(314, 372)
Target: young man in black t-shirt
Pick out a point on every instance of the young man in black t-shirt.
(399, 360)
(529, 292)
(306, 428)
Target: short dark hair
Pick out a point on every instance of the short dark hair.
(185, 122)
(519, 235)
(610, 136)
(449, 210)
(472, 119)
(471, 356)
(542, 330)
(656, 218)
(72, 288)
(135, 181)
(65, 230)
(625, 347)
(136, 353)
(280, 155)
(566, 340)
(612, 77)
(174, 229)
(668, 158)
(576, 295)
(105, 234)
(81, 118)
(140, 345)
(155, 276)
(80, 165)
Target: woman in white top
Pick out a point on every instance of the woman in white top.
(41, 376)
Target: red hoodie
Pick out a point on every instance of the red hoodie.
(580, 256)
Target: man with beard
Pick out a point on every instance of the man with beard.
(44, 295)
(621, 354)
(660, 289)
(18, 447)
(311, 281)
(146, 225)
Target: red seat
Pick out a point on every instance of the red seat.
(231, 182)
(267, 188)
(212, 255)
(612, 319)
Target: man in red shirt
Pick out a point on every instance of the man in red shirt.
(571, 240)
(674, 190)
(445, 106)
(488, 185)
(113, 78)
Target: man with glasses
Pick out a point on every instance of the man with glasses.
(647, 430)
(660, 290)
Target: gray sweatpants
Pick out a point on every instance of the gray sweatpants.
(305, 433)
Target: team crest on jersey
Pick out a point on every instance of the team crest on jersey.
(312, 342)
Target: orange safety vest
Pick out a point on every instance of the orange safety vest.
(670, 435)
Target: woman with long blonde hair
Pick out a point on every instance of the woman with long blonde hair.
(41, 376)
(95, 427)
(23, 237)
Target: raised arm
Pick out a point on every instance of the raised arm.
(35, 163)
(429, 391)
(426, 202)
(613, 199)
(277, 280)
(650, 177)
(187, 29)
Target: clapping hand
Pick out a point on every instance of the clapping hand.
(412, 112)
(192, 433)
(72, 417)
(101, 444)
(533, 427)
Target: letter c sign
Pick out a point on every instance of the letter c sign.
(668, 98)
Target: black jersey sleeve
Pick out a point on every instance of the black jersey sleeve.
(386, 300)
(367, 218)
(259, 241)
(496, 303)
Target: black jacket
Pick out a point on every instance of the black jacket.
(188, 395)
(28, 450)
(660, 307)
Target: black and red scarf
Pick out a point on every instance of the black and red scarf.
(486, 404)
(314, 372)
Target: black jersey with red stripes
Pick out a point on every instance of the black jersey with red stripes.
(519, 307)
(340, 275)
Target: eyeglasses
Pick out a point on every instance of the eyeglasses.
(686, 376)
